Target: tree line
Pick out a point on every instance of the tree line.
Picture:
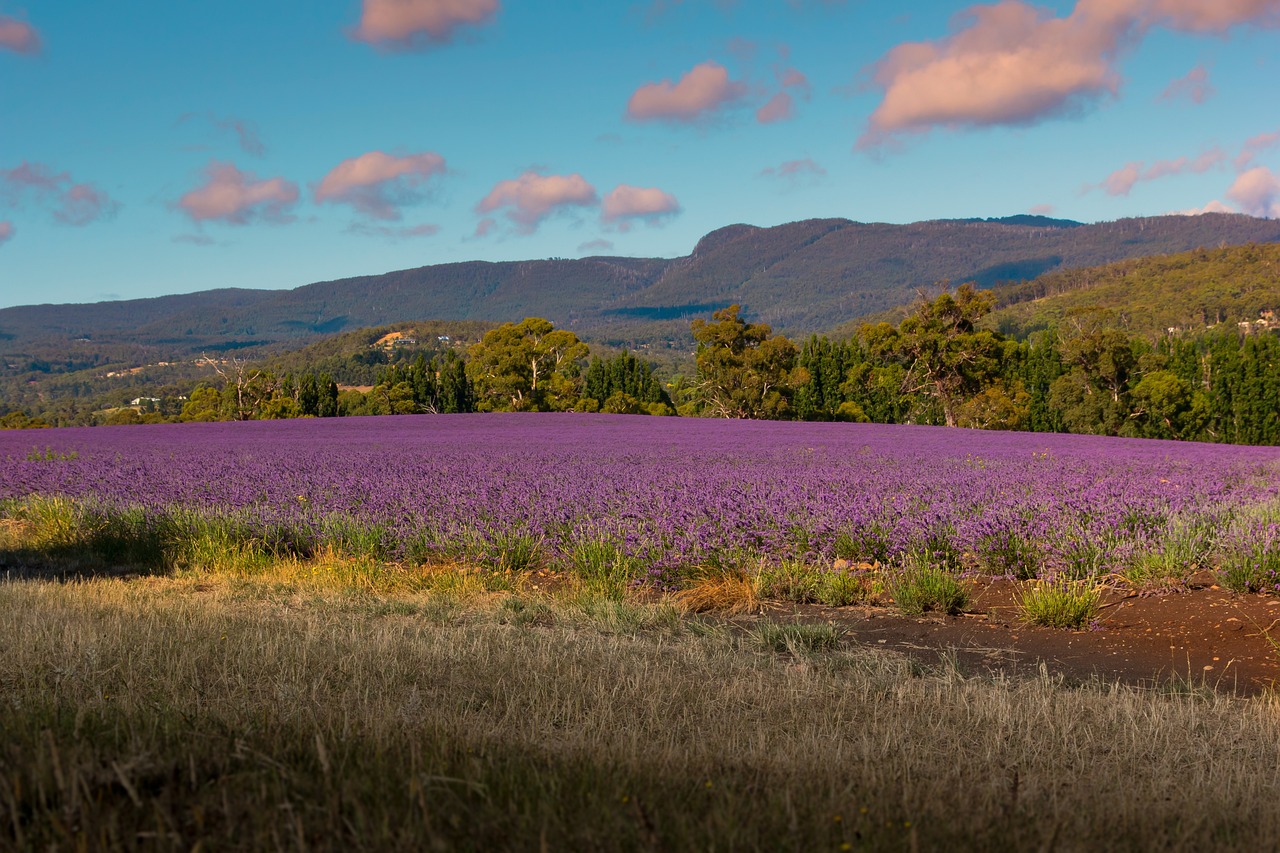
(938, 365)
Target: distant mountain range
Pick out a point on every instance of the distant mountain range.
(809, 276)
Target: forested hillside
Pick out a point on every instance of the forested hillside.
(801, 277)
(1184, 292)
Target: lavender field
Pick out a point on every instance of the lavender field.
(675, 493)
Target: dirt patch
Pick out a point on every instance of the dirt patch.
(1200, 636)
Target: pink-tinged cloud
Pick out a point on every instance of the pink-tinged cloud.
(1194, 87)
(6, 232)
(245, 133)
(379, 184)
(407, 24)
(533, 197)
(18, 36)
(72, 203)
(1209, 16)
(1011, 63)
(657, 8)
(393, 232)
(1255, 145)
(1257, 191)
(1214, 206)
(778, 108)
(485, 227)
(627, 204)
(193, 239)
(84, 203)
(795, 170)
(238, 198)
(597, 245)
(1041, 210)
(1121, 181)
(697, 95)
(781, 106)
(793, 79)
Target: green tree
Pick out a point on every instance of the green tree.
(203, 404)
(527, 366)
(744, 370)
(945, 356)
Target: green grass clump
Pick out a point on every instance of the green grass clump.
(922, 585)
(789, 580)
(1061, 604)
(798, 638)
(1182, 551)
(600, 566)
(838, 588)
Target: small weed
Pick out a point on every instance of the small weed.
(797, 638)
(922, 585)
(1060, 604)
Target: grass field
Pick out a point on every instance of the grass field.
(297, 708)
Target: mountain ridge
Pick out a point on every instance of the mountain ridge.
(806, 276)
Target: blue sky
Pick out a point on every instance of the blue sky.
(158, 147)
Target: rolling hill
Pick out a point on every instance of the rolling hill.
(1187, 291)
(800, 277)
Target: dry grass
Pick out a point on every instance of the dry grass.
(722, 592)
(168, 714)
(338, 702)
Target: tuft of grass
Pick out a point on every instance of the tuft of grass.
(789, 580)
(600, 566)
(515, 610)
(1060, 604)
(464, 582)
(726, 592)
(619, 617)
(1182, 551)
(1256, 569)
(797, 638)
(1010, 553)
(921, 585)
(840, 588)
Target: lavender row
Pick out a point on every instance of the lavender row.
(672, 492)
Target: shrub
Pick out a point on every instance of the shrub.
(602, 567)
(1061, 604)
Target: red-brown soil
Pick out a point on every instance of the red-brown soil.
(1202, 635)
